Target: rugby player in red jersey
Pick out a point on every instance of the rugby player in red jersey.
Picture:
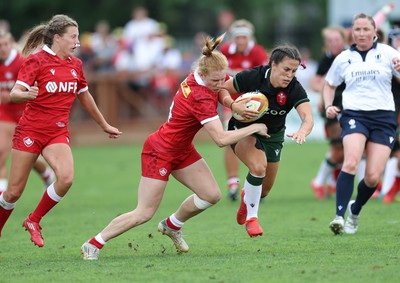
(50, 79)
(10, 62)
(170, 151)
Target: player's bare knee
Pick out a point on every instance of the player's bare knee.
(258, 169)
(350, 165)
(65, 180)
(371, 180)
(11, 195)
(147, 215)
(216, 198)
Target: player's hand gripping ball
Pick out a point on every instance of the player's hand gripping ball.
(258, 102)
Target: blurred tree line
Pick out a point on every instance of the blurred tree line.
(293, 21)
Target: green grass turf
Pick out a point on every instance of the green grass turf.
(297, 245)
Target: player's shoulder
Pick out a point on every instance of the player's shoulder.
(189, 88)
(19, 57)
(345, 56)
(297, 92)
(35, 59)
(297, 87)
(387, 49)
(381, 46)
(76, 61)
(259, 48)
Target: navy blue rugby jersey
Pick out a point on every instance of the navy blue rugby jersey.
(281, 100)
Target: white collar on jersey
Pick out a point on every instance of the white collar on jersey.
(11, 57)
(198, 79)
(233, 47)
(48, 50)
(266, 73)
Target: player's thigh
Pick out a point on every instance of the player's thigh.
(199, 179)
(59, 157)
(377, 156)
(6, 135)
(353, 145)
(21, 165)
(150, 193)
(252, 155)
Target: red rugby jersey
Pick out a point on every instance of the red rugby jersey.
(59, 82)
(8, 75)
(194, 105)
(253, 56)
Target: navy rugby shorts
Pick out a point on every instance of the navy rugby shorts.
(378, 126)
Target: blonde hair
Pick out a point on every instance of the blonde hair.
(242, 27)
(7, 35)
(44, 33)
(211, 60)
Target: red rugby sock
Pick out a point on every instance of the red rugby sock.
(44, 206)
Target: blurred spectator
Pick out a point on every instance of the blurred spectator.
(85, 52)
(191, 55)
(381, 18)
(143, 42)
(171, 57)
(225, 18)
(167, 77)
(4, 25)
(305, 75)
(139, 27)
(149, 65)
(394, 38)
(138, 62)
(381, 37)
(104, 45)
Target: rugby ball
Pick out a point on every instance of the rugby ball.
(258, 102)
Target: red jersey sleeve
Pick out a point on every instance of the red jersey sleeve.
(28, 72)
(204, 108)
(259, 56)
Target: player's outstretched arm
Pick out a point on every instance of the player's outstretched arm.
(87, 101)
(223, 138)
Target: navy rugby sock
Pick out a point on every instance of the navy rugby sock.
(344, 191)
(363, 195)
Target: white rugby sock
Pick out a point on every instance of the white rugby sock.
(361, 169)
(252, 199)
(325, 170)
(389, 175)
(3, 184)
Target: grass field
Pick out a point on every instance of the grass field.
(297, 245)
